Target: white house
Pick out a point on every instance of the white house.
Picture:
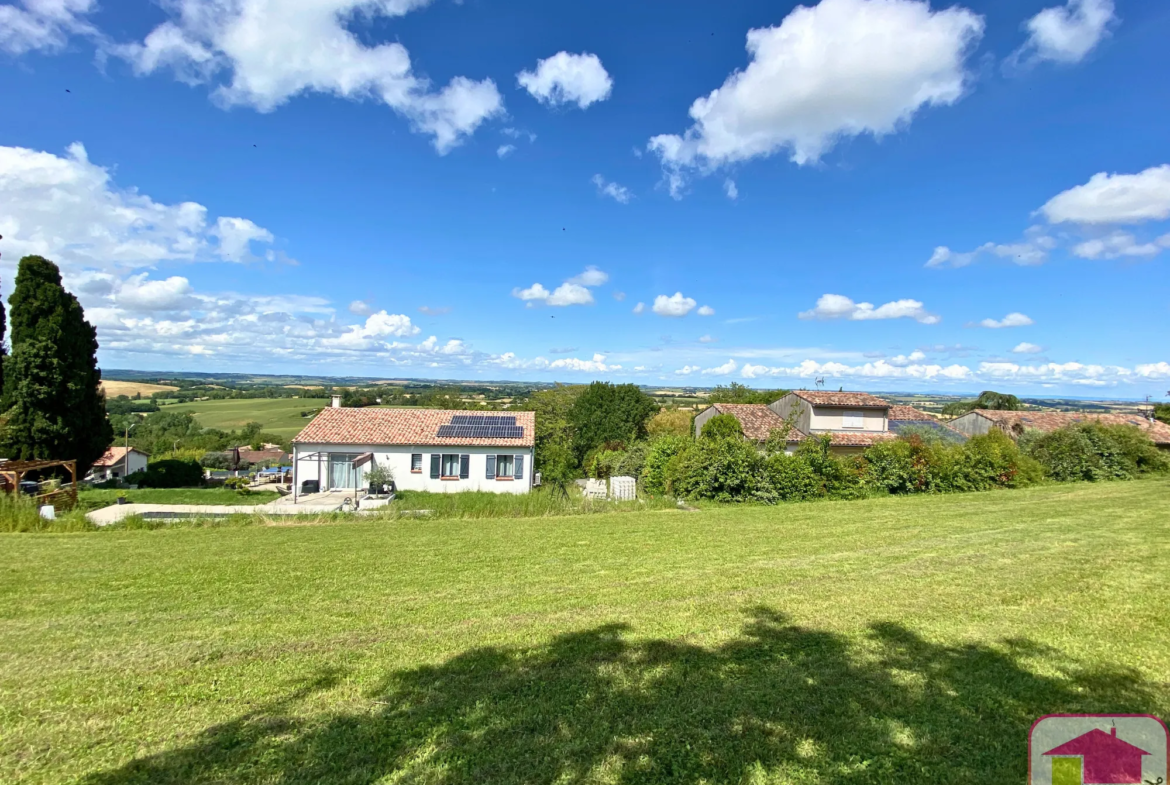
(117, 462)
(435, 450)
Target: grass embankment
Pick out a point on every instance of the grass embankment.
(897, 640)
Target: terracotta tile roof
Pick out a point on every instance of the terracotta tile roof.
(756, 418)
(115, 455)
(1015, 422)
(404, 427)
(908, 413)
(821, 398)
(259, 456)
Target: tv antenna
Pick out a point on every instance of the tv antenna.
(820, 382)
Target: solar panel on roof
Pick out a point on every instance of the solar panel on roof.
(482, 419)
(464, 431)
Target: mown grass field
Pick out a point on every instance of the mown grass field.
(281, 416)
(93, 498)
(897, 640)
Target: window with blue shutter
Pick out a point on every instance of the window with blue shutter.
(519, 463)
(464, 466)
(491, 467)
(435, 460)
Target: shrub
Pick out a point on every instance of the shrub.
(839, 478)
(603, 463)
(1092, 452)
(992, 461)
(722, 426)
(658, 457)
(724, 470)
(633, 460)
(902, 466)
(670, 422)
(169, 474)
(788, 478)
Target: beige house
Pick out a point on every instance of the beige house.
(118, 462)
(853, 421)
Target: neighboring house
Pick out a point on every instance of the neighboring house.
(981, 421)
(1097, 757)
(427, 449)
(853, 421)
(907, 419)
(117, 462)
(270, 454)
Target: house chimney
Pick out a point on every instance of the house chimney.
(1113, 731)
(336, 401)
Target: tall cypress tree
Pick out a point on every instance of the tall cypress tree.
(58, 410)
(3, 350)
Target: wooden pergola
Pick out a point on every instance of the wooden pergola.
(64, 498)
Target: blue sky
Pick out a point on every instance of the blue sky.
(887, 193)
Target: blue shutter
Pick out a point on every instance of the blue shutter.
(519, 464)
(464, 466)
(491, 467)
(435, 459)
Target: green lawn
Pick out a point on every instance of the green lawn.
(899, 640)
(281, 416)
(94, 498)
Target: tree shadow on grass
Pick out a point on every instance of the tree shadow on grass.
(780, 703)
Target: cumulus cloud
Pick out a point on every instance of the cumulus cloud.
(674, 306)
(1027, 348)
(839, 69)
(1011, 320)
(360, 308)
(707, 339)
(43, 25)
(687, 370)
(378, 326)
(619, 296)
(504, 150)
(69, 209)
(567, 78)
(596, 365)
(1118, 244)
(730, 189)
(875, 370)
(1114, 199)
(728, 367)
(705, 310)
(429, 311)
(836, 306)
(640, 308)
(273, 50)
(591, 277)
(1030, 251)
(574, 291)
(902, 360)
(619, 193)
(1067, 33)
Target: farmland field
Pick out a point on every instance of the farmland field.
(113, 389)
(898, 640)
(281, 416)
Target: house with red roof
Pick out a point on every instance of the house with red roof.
(1097, 758)
(118, 462)
(437, 450)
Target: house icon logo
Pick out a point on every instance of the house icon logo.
(1098, 749)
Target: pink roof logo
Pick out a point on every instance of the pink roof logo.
(1098, 749)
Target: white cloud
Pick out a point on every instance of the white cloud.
(591, 277)
(504, 150)
(730, 189)
(1065, 34)
(705, 310)
(534, 292)
(273, 50)
(43, 25)
(902, 360)
(68, 209)
(1032, 250)
(1118, 244)
(619, 193)
(619, 296)
(640, 308)
(570, 293)
(880, 369)
(567, 78)
(1011, 320)
(429, 311)
(1027, 348)
(377, 328)
(687, 370)
(707, 339)
(728, 367)
(360, 308)
(1154, 370)
(836, 306)
(676, 305)
(596, 365)
(1114, 199)
(836, 70)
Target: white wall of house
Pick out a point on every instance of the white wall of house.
(834, 418)
(400, 460)
(134, 462)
